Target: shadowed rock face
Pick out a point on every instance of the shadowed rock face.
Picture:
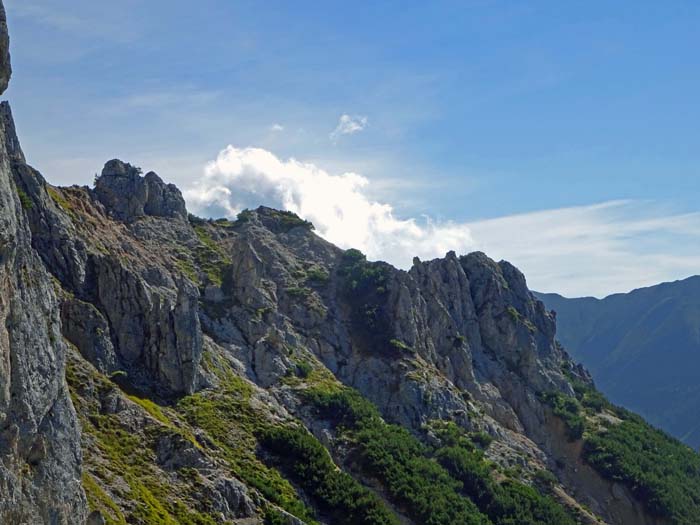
(5, 67)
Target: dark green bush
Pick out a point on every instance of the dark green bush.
(279, 221)
(303, 369)
(510, 502)
(545, 477)
(362, 276)
(317, 275)
(482, 439)
(336, 493)
(274, 517)
(196, 221)
(244, 216)
(24, 199)
(569, 410)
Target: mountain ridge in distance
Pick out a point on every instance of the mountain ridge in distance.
(642, 348)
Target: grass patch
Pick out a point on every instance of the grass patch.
(229, 420)
(25, 201)
(118, 456)
(401, 346)
(153, 410)
(298, 292)
(513, 313)
(99, 500)
(60, 200)
(185, 266)
(210, 257)
(304, 369)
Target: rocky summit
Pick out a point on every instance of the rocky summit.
(159, 368)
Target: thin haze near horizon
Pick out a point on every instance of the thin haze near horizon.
(560, 136)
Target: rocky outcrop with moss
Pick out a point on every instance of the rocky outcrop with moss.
(159, 368)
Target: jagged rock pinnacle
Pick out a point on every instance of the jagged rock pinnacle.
(127, 195)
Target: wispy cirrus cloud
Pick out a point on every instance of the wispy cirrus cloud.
(183, 98)
(54, 18)
(93, 21)
(585, 250)
(596, 250)
(349, 125)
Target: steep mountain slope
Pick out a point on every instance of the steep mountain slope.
(196, 349)
(643, 349)
(39, 435)
(158, 368)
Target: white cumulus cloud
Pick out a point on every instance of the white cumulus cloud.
(348, 125)
(337, 205)
(276, 127)
(585, 250)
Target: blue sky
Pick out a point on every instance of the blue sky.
(498, 121)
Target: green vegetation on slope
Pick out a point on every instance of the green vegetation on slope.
(450, 483)
(286, 220)
(121, 463)
(241, 431)
(337, 494)
(569, 409)
(507, 502)
(24, 199)
(662, 472)
(231, 422)
(99, 500)
(123, 481)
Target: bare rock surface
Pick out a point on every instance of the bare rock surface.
(40, 455)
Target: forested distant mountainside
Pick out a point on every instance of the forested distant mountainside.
(642, 348)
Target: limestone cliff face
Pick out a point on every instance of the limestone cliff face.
(40, 455)
(123, 311)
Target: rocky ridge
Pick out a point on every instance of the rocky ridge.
(155, 364)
